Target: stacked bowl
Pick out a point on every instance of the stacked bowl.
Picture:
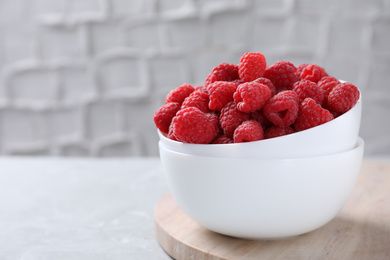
(268, 189)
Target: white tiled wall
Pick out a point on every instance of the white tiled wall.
(84, 77)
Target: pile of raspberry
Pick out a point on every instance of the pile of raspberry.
(251, 101)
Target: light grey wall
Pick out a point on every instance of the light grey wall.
(84, 77)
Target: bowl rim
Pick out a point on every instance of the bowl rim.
(280, 138)
(358, 146)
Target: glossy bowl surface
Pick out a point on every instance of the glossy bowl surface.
(335, 136)
(261, 198)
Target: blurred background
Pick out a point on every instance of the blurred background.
(84, 77)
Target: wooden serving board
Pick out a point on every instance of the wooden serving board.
(360, 231)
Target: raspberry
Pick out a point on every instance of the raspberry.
(252, 66)
(343, 97)
(313, 73)
(306, 88)
(199, 98)
(251, 96)
(222, 72)
(335, 114)
(282, 109)
(190, 125)
(238, 81)
(221, 93)
(327, 84)
(248, 131)
(163, 116)
(268, 83)
(276, 131)
(299, 69)
(231, 117)
(310, 115)
(179, 94)
(171, 135)
(222, 139)
(214, 119)
(282, 75)
(259, 117)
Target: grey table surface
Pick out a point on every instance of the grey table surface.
(66, 209)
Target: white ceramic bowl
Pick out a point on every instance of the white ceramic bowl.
(335, 136)
(261, 198)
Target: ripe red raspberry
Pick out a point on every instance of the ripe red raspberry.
(306, 88)
(268, 83)
(335, 114)
(327, 84)
(214, 119)
(171, 135)
(251, 96)
(343, 97)
(222, 139)
(199, 98)
(222, 72)
(252, 66)
(276, 131)
(231, 117)
(310, 115)
(282, 75)
(163, 116)
(238, 81)
(190, 125)
(221, 93)
(313, 73)
(299, 69)
(179, 94)
(282, 109)
(248, 131)
(259, 117)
